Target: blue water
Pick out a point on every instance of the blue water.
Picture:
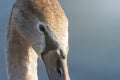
(94, 29)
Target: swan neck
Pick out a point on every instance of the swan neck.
(21, 58)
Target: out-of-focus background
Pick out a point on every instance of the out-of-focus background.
(94, 38)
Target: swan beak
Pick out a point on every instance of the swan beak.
(56, 66)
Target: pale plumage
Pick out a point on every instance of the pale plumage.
(37, 28)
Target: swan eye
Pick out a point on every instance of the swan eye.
(41, 27)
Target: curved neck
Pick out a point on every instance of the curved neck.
(21, 58)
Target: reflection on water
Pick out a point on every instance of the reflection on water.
(94, 39)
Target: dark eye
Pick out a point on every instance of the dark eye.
(41, 27)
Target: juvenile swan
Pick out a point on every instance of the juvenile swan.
(37, 28)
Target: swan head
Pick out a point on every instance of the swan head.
(49, 40)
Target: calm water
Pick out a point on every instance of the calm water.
(94, 39)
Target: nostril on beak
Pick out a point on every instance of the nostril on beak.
(59, 69)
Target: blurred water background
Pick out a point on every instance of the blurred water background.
(94, 38)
